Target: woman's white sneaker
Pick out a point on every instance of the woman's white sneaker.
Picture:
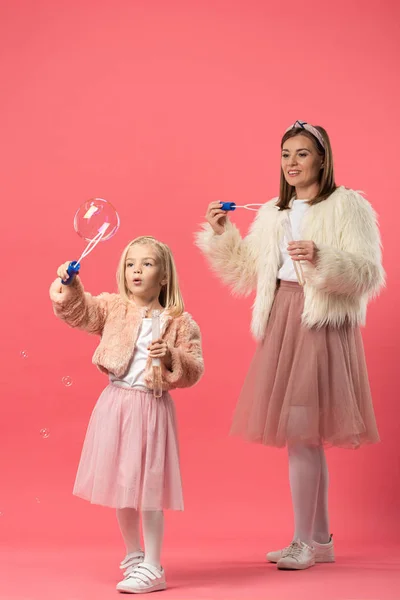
(324, 553)
(143, 579)
(297, 556)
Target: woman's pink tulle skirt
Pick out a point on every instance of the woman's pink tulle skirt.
(130, 456)
(306, 385)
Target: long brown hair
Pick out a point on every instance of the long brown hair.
(170, 295)
(327, 183)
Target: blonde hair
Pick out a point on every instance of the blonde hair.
(170, 295)
(327, 183)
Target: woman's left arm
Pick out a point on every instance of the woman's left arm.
(355, 268)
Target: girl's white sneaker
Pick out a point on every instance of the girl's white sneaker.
(131, 561)
(143, 579)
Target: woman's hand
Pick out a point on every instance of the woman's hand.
(159, 349)
(62, 270)
(303, 250)
(216, 217)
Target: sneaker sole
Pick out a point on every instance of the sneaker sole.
(155, 588)
(317, 560)
(330, 559)
(298, 568)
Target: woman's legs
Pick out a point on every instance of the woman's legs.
(304, 476)
(321, 533)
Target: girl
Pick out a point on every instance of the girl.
(130, 457)
(313, 254)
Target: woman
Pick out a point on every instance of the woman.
(314, 257)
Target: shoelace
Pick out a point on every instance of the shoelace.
(293, 550)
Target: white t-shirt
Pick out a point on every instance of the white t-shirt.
(292, 232)
(134, 376)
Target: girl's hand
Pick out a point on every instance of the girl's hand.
(62, 270)
(302, 250)
(58, 291)
(216, 217)
(159, 349)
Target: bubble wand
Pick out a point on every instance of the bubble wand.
(156, 362)
(234, 206)
(296, 264)
(230, 206)
(96, 220)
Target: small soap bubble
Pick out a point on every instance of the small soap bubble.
(44, 433)
(23, 354)
(67, 381)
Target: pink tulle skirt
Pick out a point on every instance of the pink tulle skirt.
(306, 385)
(130, 456)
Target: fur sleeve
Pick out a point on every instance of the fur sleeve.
(233, 259)
(355, 268)
(79, 308)
(187, 357)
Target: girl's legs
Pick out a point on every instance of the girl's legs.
(153, 533)
(147, 576)
(129, 524)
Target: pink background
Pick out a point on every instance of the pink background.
(161, 107)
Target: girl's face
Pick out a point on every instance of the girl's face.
(301, 163)
(144, 275)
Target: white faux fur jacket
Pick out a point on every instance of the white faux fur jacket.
(348, 270)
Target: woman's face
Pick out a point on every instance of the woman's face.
(301, 163)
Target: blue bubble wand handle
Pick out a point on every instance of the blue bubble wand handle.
(75, 265)
(229, 206)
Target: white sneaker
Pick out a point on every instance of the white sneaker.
(324, 553)
(131, 561)
(298, 556)
(144, 578)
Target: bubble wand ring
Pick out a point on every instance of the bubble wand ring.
(95, 220)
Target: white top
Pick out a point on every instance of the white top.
(292, 232)
(134, 376)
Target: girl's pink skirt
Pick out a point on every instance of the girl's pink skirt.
(130, 456)
(306, 385)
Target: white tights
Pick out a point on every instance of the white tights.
(309, 482)
(153, 532)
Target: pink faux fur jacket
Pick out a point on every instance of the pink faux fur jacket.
(117, 322)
